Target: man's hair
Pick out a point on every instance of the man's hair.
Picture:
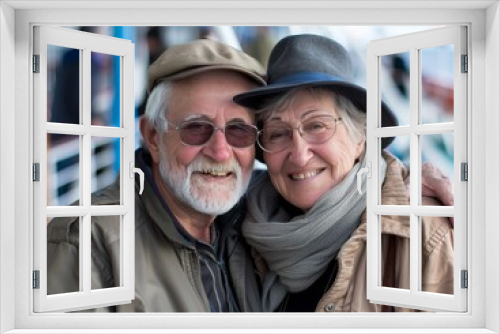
(353, 118)
(157, 106)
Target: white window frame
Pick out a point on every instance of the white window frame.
(17, 19)
(412, 44)
(86, 43)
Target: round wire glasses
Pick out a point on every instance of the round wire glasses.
(276, 137)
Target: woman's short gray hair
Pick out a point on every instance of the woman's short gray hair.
(157, 106)
(353, 118)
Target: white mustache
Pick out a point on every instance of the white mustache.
(203, 166)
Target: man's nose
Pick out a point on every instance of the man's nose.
(217, 147)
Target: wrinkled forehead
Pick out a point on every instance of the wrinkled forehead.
(299, 101)
(210, 95)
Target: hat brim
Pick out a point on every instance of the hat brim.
(204, 68)
(257, 98)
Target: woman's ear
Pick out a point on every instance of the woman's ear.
(360, 148)
(151, 138)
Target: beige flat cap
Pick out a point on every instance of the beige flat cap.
(183, 60)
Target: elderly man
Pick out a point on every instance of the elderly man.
(198, 158)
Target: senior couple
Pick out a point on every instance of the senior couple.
(214, 235)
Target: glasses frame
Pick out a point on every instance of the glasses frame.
(179, 127)
(301, 132)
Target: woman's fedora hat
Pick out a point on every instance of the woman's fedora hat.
(311, 61)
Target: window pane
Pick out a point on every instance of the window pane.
(63, 259)
(437, 276)
(105, 162)
(63, 169)
(105, 89)
(395, 84)
(400, 148)
(438, 150)
(395, 253)
(437, 84)
(63, 85)
(106, 246)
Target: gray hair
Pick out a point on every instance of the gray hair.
(157, 106)
(353, 118)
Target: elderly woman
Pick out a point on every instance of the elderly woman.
(306, 220)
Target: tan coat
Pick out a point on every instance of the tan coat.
(348, 292)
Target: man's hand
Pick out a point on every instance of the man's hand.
(435, 184)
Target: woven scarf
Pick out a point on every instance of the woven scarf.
(298, 249)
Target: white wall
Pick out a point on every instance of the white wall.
(486, 117)
(7, 283)
(492, 171)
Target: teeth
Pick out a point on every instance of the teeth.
(219, 172)
(302, 176)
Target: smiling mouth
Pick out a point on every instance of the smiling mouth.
(214, 173)
(306, 175)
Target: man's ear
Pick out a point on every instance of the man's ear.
(151, 138)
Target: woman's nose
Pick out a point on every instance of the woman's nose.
(300, 152)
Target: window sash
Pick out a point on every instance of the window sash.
(412, 43)
(86, 43)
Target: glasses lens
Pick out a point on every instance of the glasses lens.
(275, 138)
(240, 135)
(196, 133)
(318, 129)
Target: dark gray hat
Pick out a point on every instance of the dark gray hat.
(311, 61)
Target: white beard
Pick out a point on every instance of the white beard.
(212, 198)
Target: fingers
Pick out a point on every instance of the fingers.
(440, 188)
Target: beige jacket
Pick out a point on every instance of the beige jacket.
(348, 292)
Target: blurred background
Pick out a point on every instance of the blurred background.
(150, 42)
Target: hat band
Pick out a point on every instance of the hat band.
(305, 77)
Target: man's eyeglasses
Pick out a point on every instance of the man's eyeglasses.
(198, 133)
(316, 130)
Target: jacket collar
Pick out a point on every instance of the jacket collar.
(156, 207)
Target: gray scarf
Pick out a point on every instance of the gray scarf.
(298, 249)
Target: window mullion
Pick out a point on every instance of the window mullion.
(415, 161)
(85, 143)
(85, 254)
(406, 210)
(96, 210)
(86, 170)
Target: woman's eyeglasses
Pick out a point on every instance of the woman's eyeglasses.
(275, 138)
(198, 133)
